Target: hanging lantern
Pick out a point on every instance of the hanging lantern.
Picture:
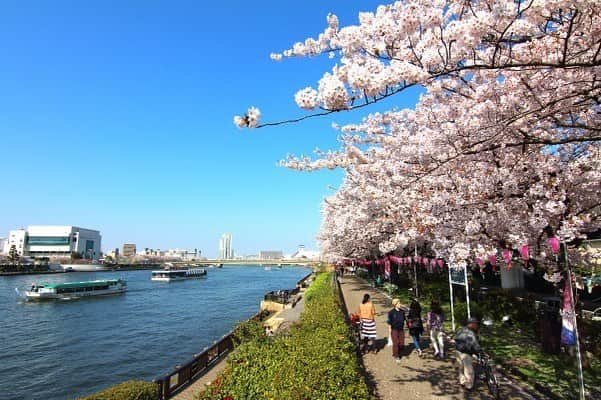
(440, 263)
(480, 263)
(524, 252)
(554, 243)
(507, 259)
(507, 256)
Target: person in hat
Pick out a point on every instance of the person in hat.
(466, 346)
(396, 322)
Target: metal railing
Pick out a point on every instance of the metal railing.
(200, 364)
(183, 375)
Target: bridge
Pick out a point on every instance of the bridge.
(306, 263)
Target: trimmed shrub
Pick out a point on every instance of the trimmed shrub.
(315, 360)
(130, 390)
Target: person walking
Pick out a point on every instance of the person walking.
(415, 325)
(434, 321)
(367, 313)
(466, 345)
(396, 322)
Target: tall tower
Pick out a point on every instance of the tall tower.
(225, 247)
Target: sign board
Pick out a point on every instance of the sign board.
(457, 275)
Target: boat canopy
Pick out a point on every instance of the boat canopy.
(80, 284)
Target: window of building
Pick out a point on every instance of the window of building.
(48, 240)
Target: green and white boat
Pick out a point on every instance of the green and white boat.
(70, 290)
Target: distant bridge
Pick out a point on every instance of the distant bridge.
(252, 262)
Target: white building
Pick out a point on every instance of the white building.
(303, 254)
(271, 255)
(225, 247)
(183, 254)
(3, 246)
(56, 241)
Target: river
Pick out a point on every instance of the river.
(61, 350)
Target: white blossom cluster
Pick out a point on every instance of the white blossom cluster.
(501, 151)
(249, 120)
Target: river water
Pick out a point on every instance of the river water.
(60, 350)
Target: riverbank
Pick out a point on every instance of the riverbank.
(315, 359)
(12, 270)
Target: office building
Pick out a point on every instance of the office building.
(129, 250)
(56, 241)
(271, 255)
(225, 247)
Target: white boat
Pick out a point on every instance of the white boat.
(84, 267)
(268, 268)
(70, 290)
(168, 275)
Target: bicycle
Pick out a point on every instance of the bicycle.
(488, 373)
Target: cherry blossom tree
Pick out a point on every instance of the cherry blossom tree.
(502, 150)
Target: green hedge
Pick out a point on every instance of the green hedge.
(315, 360)
(130, 390)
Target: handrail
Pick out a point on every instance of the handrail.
(172, 382)
(182, 375)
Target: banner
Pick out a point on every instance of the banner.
(568, 336)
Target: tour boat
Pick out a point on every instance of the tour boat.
(84, 267)
(69, 290)
(168, 275)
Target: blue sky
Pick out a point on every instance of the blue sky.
(118, 116)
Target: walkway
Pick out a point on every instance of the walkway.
(288, 316)
(415, 378)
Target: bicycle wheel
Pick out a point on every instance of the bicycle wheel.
(493, 384)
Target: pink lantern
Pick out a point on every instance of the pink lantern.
(507, 256)
(433, 262)
(480, 262)
(524, 252)
(554, 243)
(493, 260)
(440, 263)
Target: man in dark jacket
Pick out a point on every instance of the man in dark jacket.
(396, 321)
(466, 345)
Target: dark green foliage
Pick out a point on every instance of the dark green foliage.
(130, 390)
(13, 255)
(315, 360)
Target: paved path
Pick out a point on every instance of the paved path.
(289, 316)
(415, 377)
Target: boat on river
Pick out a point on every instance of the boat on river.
(177, 274)
(70, 290)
